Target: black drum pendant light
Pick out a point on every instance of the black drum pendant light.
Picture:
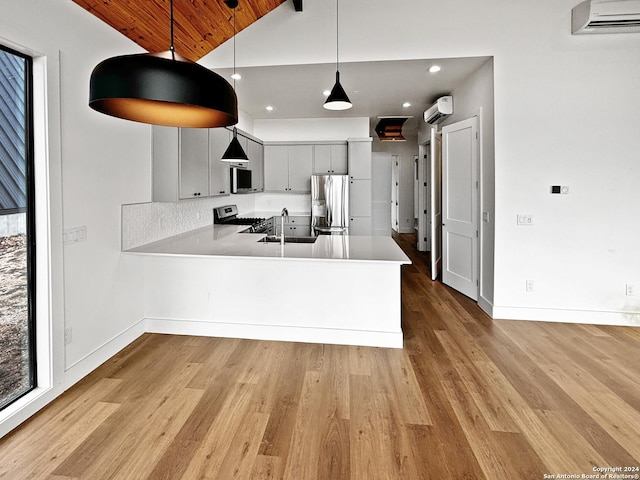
(234, 152)
(337, 99)
(162, 89)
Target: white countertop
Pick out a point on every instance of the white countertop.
(225, 241)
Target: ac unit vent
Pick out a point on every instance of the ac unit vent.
(598, 16)
(439, 110)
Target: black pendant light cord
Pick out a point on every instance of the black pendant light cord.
(173, 51)
(235, 130)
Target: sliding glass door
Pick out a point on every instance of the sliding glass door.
(17, 237)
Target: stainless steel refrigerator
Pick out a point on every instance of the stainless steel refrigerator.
(329, 204)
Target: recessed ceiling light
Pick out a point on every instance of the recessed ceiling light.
(406, 104)
(326, 93)
(269, 108)
(236, 76)
(434, 68)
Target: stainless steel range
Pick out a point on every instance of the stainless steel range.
(228, 215)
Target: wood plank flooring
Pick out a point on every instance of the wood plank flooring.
(467, 398)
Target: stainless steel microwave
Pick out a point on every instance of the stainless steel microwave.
(240, 180)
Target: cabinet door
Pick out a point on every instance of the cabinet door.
(359, 225)
(194, 162)
(322, 159)
(219, 139)
(276, 168)
(165, 155)
(244, 143)
(300, 167)
(339, 159)
(256, 160)
(359, 159)
(360, 198)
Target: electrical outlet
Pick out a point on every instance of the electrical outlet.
(529, 286)
(68, 335)
(630, 290)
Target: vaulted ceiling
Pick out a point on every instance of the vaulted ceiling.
(199, 25)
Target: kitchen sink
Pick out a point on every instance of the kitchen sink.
(276, 239)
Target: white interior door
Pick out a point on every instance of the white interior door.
(460, 206)
(434, 208)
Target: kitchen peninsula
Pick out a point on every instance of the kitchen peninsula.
(217, 281)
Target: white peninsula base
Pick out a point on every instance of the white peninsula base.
(354, 300)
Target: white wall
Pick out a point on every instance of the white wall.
(404, 152)
(565, 113)
(105, 162)
(475, 97)
(311, 129)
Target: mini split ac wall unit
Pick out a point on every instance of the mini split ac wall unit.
(599, 16)
(439, 110)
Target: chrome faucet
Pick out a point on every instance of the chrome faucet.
(283, 215)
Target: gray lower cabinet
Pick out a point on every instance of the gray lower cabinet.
(295, 226)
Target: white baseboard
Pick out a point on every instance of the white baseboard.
(567, 316)
(275, 332)
(486, 305)
(93, 360)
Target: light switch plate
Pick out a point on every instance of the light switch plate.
(525, 219)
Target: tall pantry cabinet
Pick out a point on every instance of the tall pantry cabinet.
(359, 159)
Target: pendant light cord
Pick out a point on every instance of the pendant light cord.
(172, 48)
(337, 31)
(235, 130)
(234, 49)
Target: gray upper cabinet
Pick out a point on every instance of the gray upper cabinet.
(330, 158)
(219, 179)
(187, 162)
(288, 168)
(194, 162)
(255, 152)
(276, 168)
(360, 158)
(180, 161)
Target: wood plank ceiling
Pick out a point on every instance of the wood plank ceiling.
(199, 25)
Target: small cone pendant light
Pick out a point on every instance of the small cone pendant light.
(162, 89)
(337, 99)
(234, 152)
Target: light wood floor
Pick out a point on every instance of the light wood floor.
(467, 398)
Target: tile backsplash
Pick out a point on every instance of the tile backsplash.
(144, 223)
